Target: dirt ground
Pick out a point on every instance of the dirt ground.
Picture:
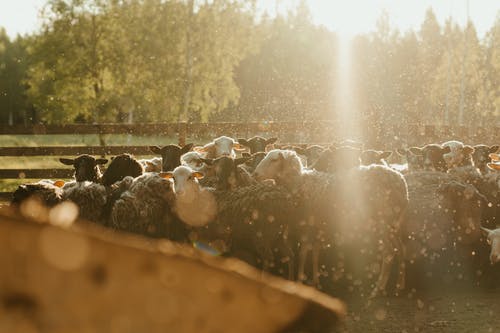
(443, 311)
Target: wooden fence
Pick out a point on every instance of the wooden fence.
(323, 132)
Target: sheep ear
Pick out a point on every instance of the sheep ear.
(186, 148)
(101, 161)
(243, 141)
(494, 166)
(271, 141)
(207, 161)
(468, 150)
(385, 154)
(486, 231)
(494, 157)
(198, 175)
(59, 183)
(67, 161)
(241, 160)
(166, 175)
(155, 149)
(416, 150)
(494, 149)
(446, 150)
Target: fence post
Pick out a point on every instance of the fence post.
(182, 133)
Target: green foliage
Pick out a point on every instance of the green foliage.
(196, 60)
(104, 61)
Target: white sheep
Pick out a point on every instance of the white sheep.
(194, 205)
(222, 146)
(152, 164)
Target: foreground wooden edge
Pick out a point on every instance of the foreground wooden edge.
(319, 309)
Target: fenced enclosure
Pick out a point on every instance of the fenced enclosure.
(320, 132)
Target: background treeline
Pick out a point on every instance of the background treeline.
(218, 60)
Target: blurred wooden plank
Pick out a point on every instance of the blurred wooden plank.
(36, 173)
(74, 150)
(106, 281)
(138, 129)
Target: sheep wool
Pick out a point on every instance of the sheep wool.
(145, 207)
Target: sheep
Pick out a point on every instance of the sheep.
(189, 194)
(311, 153)
(229, 173)
(151, 165)
(433, 156)
(253, 160)
(90, 197)
(300, 150)
(257, 143)
(145, 207)
(171, 155)
(120, 167)
(249, 220)
(442, 223)
(368, 157)
(460, 155)
(95, 199)
(194, 160)
(493, 239)
(414, 162)
(375, 193)
(47, 192)
(222, 146)
(480, 156)
(489, 185)
(86, 167)
(338, 159)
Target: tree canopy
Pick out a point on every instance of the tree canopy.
(193, 60)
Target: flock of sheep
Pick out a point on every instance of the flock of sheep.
(305, 213)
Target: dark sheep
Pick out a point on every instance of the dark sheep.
(443, 227)
(228, 172)
(250, 222)
(253, 160)
(86, 167)
(145, 206)
(257, 143)
(433, 156)
(347, 199)
(46, 192)
(415, 162)
(338, 159)
(90, 197)
(312, 153)
(374, 157)
(120, 167)
(171, 155)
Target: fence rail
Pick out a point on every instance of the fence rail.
(376, 137)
